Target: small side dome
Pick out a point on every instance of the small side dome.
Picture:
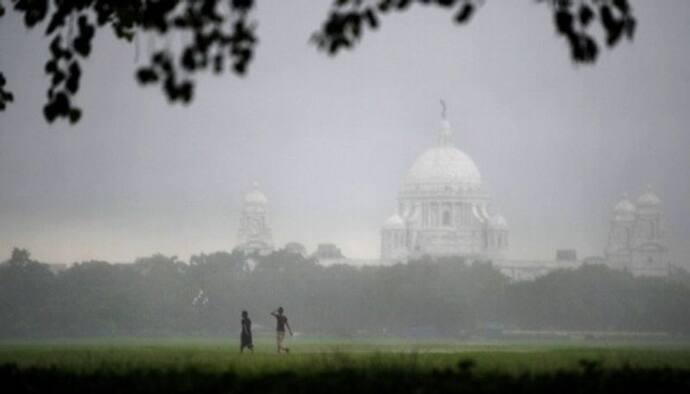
(394, 222)
(255, 196)
(649, 198)
(624, 205)
(625, 210)
(499, 222)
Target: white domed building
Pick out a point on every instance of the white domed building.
(636, 239)
(254, 234)
(444, 209)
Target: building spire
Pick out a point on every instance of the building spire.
(445, 134)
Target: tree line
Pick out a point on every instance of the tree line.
(165, 296)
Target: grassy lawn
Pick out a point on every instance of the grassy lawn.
(334, 366)
(316, 355)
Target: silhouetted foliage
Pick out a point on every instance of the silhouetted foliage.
(220, 35)
(574, 19)
(161, 295)
(5, 96)
(349, 19)
(216, 33)
(591, 378)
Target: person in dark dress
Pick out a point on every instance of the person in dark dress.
(281, 324)
(246, 336)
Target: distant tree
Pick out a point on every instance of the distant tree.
(219, 35)
(160, 295)
(25, 289)
(595, 297)
(20, 257)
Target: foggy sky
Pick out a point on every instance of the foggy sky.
(330, 139)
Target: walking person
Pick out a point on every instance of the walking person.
(246, 336)
(281, 324)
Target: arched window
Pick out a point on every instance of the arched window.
(446, 218)
(650, 230)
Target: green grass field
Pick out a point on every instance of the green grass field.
(328, 365)
(319, 354)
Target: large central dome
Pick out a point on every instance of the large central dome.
(444, 165)
(444, 209)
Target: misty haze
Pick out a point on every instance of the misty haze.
(485, 188)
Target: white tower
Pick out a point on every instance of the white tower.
(254, 235)
(620, 243)
(650, 250)
(636, 239)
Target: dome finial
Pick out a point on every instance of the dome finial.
(445, 135)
